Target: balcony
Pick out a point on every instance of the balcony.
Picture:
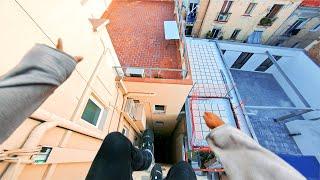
(190, 19)
(223, 17)
(151, 72)
(267, 22)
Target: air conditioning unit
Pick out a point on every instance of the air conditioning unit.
(140, 117)
(135, 72)
(136, 112)
(130, 108)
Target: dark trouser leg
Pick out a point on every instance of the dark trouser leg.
(181, 171)
(117, 158)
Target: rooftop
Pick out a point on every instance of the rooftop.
(137, 32)
(261, 84)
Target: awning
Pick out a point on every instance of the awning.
(255, 37)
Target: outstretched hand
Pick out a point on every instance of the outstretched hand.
(59, 46)
(212, 120)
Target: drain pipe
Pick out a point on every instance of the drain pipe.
(51, 121)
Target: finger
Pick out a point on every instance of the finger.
(212, 120)
(78, 58)
(59, 44)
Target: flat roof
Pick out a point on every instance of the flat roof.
(136, 29)
(256, 98)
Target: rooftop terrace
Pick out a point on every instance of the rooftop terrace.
(264, 85)
(137, 32)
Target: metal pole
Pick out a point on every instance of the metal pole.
(293, 114)
(275, 63)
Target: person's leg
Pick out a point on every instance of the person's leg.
(181, 171)
(117, 158)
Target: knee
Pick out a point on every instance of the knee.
(115, 140)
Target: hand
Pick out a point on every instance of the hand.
(212, 120)
(59, 46)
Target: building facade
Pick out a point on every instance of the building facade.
(301, 28)
(245, 20)
(98, 98)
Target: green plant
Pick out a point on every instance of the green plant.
(209, 35)
(265, 21)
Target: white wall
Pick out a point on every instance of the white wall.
(299, 68)
(305, 75)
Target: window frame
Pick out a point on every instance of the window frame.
(235, 34)
(315, 28)
(250, 7)
(155, 111)
(274, 11)
(126, 131)
(242, 59)
(102, 111)
(216, 33)
(226, 6)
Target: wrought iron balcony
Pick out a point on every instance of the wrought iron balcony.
(223, 17)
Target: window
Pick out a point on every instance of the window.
(266, 64)
(159, 123)
(125, 131)
(250, 8)
(226, 6)
(159, 109)
(296, 27)
(235, 34)
(136, 101)
(315, 28)
(188, 31)
(215, 33)
(93, 113)
(241, 60)
(295, 45)
(274, 11)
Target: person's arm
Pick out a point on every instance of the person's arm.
(242, 157)
(30, 83)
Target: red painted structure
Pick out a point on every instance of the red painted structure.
(311, 3)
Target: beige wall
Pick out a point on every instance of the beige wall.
(247, 24)
(305, 37)
(93, 77)
(172, 96)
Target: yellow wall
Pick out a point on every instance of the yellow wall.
(247, 24)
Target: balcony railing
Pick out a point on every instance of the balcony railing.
(223, 17)
(191, 18)
(151, 72)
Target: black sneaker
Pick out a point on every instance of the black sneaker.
(156, 172)
(147, 140)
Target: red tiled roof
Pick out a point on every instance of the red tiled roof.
(137, 33)
(311, 3)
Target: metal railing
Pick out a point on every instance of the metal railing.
(151, 72)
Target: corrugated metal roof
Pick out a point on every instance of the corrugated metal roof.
(311, 3)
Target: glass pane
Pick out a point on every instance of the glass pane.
(91, 112)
